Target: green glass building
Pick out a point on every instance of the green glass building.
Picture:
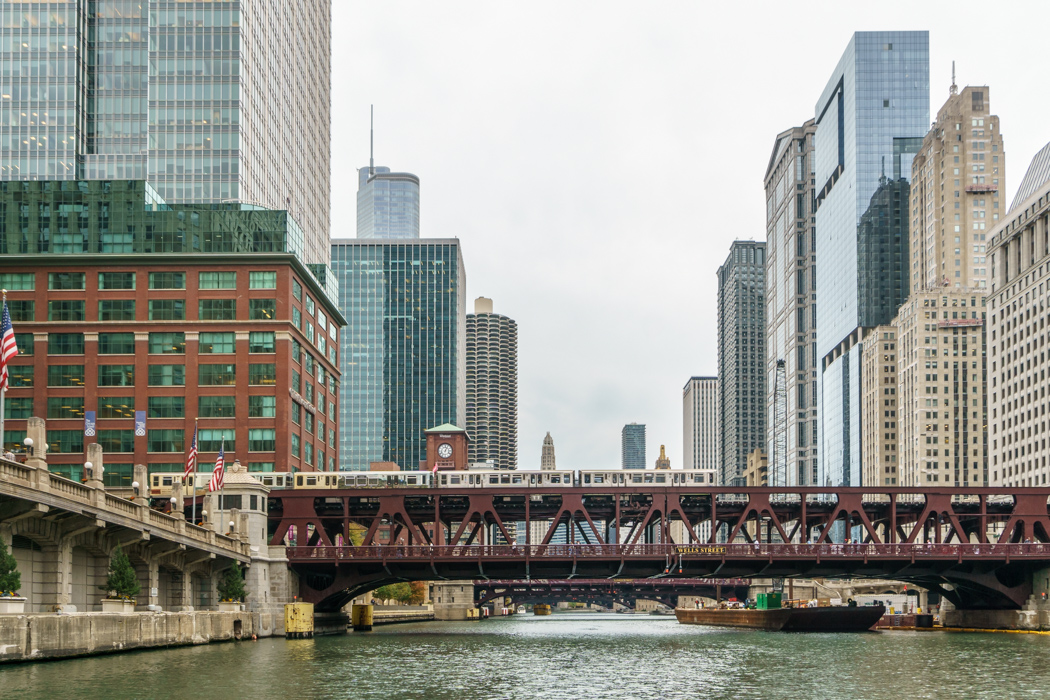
(403, 357)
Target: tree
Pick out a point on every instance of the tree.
(231, 585)
(419, 593)
(10, 579)
(400, 592)
(122, 581)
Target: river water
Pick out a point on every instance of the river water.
(573, 655)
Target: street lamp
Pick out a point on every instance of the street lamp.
(28, 442)
(135, 487)
(204, 516)
(174, 504)
(231, 527)
(88, 470)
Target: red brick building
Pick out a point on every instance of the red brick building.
(245, 344)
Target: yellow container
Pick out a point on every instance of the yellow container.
(361, 618)
(299, 620)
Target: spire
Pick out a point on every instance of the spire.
(954, 89)
(371, 141)
(547, 462)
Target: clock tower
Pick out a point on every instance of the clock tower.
(447, 448)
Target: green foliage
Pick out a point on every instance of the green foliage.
(10, 579)
(419, 593)
(401, 592)
(121, 582)
(231, 585)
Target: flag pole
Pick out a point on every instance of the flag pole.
(222, 484)
(193, 497)
(3, 391)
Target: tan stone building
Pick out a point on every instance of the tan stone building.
(663, 461)
(879, 411)
(757, 472)
(941, 392)
(958, 179)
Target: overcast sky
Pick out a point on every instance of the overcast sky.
(597, 159)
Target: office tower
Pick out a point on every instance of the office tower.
(757, 470)
(129, 329)
(632, 446)
(547, 462)
(879, 409)
(871, 120)
(404, 364)
(663, 462)
(941, 388)
(958, 180)
(700, 423)
(1019, 252)
(741, 358)
(492, 386)
(209, 101)
(791, 308)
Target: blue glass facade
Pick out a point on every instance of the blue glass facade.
(387, 204)
(632, 446)
(403, 348)
(871, 119)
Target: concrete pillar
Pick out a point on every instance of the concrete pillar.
(181, 591)
(97, 458)
(141, 474)
(36, 430)
(177, 508)
(233, 515)
(208, 506)
(57, 577)
(149, 596)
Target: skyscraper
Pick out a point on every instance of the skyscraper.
(700, 423)
(210, 101)
(547, 462)
(632, 446)
(741, 358)
(403, 353)
(492, 386)
(791, 333)
(387, 204)
(871, 120)
(663, 461)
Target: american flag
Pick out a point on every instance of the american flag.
(191, 458)
(220, 468)
(8, 347)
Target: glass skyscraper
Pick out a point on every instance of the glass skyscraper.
(403, 356)
(871, 120)
(632, 446)
(387, 204)
(210, 101)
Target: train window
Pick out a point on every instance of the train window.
(599, 479)
(311, 481)
(410, 479)
(504, 479)
(518, 479)
(454, 480)
(586, 478)
(493, 479)
(648, 478)
(660, 479)
(299, 480)
(167, 481)
(555, 479)
(636, 478)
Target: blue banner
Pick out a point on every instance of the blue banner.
(89, 423)
(140, 423)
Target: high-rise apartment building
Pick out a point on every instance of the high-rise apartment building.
(957, 183)
(791, 308)
(871, 120)
(387, 204)
(137, 321)
(209, 101)
(632, 446)
(879, 395)
(700, 423)
(741, 358)
(1018, 361)
(403, 358)
(547, 462)
(492, 386)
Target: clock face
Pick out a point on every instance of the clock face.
(444, 450)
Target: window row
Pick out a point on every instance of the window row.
(117, 441)
(20, 408)
(263, 374)
(159, 310)
(159, 343)
(21, 281)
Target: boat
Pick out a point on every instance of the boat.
(541, 609)
(521, 610)
(827, 619)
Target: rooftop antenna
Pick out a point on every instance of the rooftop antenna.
(953, 90)
(371, 135)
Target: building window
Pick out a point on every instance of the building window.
(262, 341)
(210, 440)
(297, 411)
(262, 440)
(116, 406)
(19, 408)
(25, 343)
(297, 351)
(167, 375)
(167, 309)
(262, 280)
(68, 310)
(262, 309)
(262, 374)
(297, 318)
(165, 440)
(65, 280)
(13, 441)
(116, 310)
(218, 309)
(20, 375)
(297, 290)
(217, 343)
(18, 281)
(65, 343)
(65, 441)
(296, 381)
(65, 407)
(116, 343)
(167, 343)
(118, 475)
(308, 453)
(262, 406)
(116, 441)
(309, 425)
(21, 309)
(310, 306)
(166, 468)
(167, 280)
(295, 445)
(260, 467)
(116, 375)
(216, 406)
(116, 280)
(167, 407)
(217, 375)
(65, 375)
(217, 280)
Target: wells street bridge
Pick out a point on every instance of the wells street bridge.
(979, 547)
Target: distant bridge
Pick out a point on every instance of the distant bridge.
(608, 591)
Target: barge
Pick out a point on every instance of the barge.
(828, 619)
